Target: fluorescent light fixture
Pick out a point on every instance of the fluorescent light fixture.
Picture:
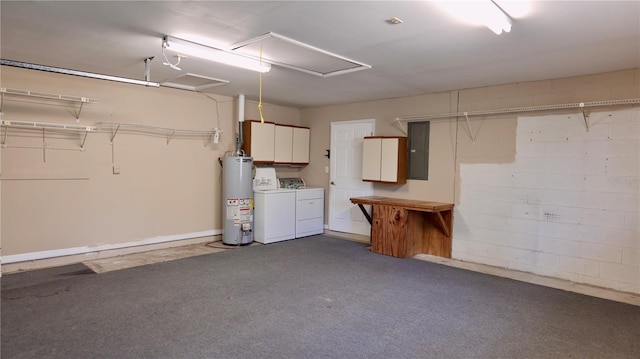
(479, 12)
(189, 48)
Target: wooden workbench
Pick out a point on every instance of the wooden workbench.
(403, 227)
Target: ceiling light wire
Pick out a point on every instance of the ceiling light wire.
(167, 62)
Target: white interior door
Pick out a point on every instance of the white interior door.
(346, 176)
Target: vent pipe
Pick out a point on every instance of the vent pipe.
(240, 140)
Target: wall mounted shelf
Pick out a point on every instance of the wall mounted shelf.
(43, 126)
(47, 96)
(115, 127)
(581, 106)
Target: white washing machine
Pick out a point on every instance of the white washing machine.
(274, 215)
(274, 208)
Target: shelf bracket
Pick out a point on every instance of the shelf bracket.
(44, 148)
(115, 133)
(404, 131)
(471, 135)
(170, 136)
(585, 116)
(77, 115)
(4, 137)
(86, 133)
(208, 139)
(443, 225)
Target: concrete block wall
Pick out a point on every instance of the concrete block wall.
(567, 206)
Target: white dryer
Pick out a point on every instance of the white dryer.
(309, 207)
(309, 211)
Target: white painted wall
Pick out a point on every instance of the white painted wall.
(568, 206)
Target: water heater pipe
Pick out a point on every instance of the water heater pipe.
(240, 141)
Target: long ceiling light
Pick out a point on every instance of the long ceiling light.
(189, 48)
(479, 12)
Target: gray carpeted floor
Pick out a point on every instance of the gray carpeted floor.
(316, 297)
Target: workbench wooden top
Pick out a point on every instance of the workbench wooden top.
(411, 204)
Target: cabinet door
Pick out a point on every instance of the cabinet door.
(259, 141)
(283, 150)
(371, 151)
(300, 145)
(389, 160)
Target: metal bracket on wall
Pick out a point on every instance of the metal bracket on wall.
(170, 136)
(4, 137)
(402, 127)
(44, 147)
(84, 139)
(471, 135)
(585, 116)
(114, 134)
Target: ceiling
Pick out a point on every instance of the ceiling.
(428, 52)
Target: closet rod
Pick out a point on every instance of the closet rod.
(581, 105)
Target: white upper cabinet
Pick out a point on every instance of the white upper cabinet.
(270, 143)
(384, 159)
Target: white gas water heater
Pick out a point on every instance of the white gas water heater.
(237, 191)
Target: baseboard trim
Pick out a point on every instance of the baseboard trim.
(33, 256)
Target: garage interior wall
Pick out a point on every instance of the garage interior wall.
(64, 201)
(485, 230)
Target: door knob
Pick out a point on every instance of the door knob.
(333, 182)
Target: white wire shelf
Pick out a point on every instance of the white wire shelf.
(583, 107)
(580, 106)
(47, 125)
(47, 96)
(115, 127)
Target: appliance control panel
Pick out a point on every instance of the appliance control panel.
(292, 182)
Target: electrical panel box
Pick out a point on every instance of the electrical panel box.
(418, 150)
